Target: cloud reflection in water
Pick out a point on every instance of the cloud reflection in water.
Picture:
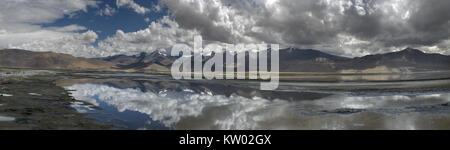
(186, 109)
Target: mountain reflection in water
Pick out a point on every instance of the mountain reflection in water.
(181, 105)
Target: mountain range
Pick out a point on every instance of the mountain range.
(15, 58)
(291, 60)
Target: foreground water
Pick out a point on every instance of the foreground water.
(156, 102)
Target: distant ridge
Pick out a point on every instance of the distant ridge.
(16, 58)
(291, 60)
(407, 59)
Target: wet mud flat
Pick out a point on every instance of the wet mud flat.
(37, 103)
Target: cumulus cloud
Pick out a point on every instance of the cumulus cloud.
(22, 16)
(20, 21)
(161, 34)
(355, 27)
(131, 4)
(107, 11)
(343, 27)
(77, 44)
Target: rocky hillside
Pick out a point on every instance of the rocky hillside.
(15, 58)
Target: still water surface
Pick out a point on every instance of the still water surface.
(160, 103)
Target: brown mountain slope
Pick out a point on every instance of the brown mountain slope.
(15, 58)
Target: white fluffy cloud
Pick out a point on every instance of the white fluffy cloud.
(77, 44)
(39, 11)
(131, 4)
(20, 19)
(19, 16)
(159, 35)
(107, 11)
(342, 27)
(69, 28)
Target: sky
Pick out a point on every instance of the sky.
(351, 28)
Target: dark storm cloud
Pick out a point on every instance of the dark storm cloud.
(203, 22)
(431, 20)
(346, 26)
(300, 23)
(431, 15)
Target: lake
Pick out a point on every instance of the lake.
(159, 103)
